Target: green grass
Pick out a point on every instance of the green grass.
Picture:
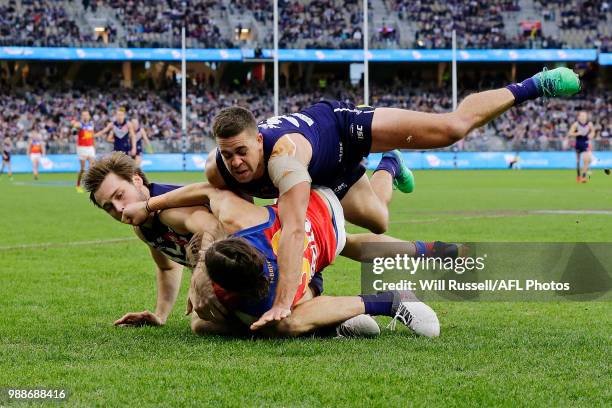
(58, 302)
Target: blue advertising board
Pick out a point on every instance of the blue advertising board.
(321, 55)
(58, 163)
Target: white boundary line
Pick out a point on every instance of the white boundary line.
(65, 244)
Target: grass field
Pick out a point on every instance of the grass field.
(63, 283)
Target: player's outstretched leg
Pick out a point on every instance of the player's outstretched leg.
(357, 251)
(324, 311)
(403, 129)
(79, 189)
(586, 162)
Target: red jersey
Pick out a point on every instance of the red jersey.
(36, 147)
(85, 136)
(319, 252)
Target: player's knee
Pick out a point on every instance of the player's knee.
(379, 226)
(374, 218)
(377, 219)
(456, 127)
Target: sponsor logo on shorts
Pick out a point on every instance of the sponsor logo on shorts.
(340, 187)
(359, 132)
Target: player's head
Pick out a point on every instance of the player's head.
(85, 116)
(583, 117)
(135, 123)
(237, 267)
(115, 181)
(120, 115)
(240, 143)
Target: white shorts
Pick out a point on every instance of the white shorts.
(35, 156)
(337, 216)
(86, 152)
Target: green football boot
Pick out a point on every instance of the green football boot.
(557, 82)
(404, 179)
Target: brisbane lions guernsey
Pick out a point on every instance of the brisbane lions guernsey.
(319, 252)
(85, 134)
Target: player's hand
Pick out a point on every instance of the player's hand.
(276, 314)
(133, 153)
(135, 213)
(137, 319)
(203, 301)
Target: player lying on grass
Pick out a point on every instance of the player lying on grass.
(325, 143)
(244, 268)
(115, 181)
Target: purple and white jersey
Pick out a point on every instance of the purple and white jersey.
(339, 134)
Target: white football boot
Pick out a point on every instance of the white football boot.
(413, 313)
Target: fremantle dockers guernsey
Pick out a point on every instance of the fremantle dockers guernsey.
(582, 140)
(122, 137)
(163, 238)
(334, 132)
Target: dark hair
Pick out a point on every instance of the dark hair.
(237, 266)
(230, 122)
(194, 247)
(117, 163)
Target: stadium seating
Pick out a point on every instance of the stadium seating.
(532, 126)
(39, 23)
(308, 23)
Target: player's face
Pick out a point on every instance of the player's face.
(242, 154)
(120, 115)
(582, 117)
(115, 194)
(85, 116)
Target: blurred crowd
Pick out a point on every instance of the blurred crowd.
(158, 23)
(320, 24)
(541, 124)
(302, 23)
(38, 23)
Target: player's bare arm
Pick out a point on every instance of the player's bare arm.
(225, 205)
(197, 194)
(288, 169)
(169, 274)
(573, 130)
(205, 227)
(104, 131)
